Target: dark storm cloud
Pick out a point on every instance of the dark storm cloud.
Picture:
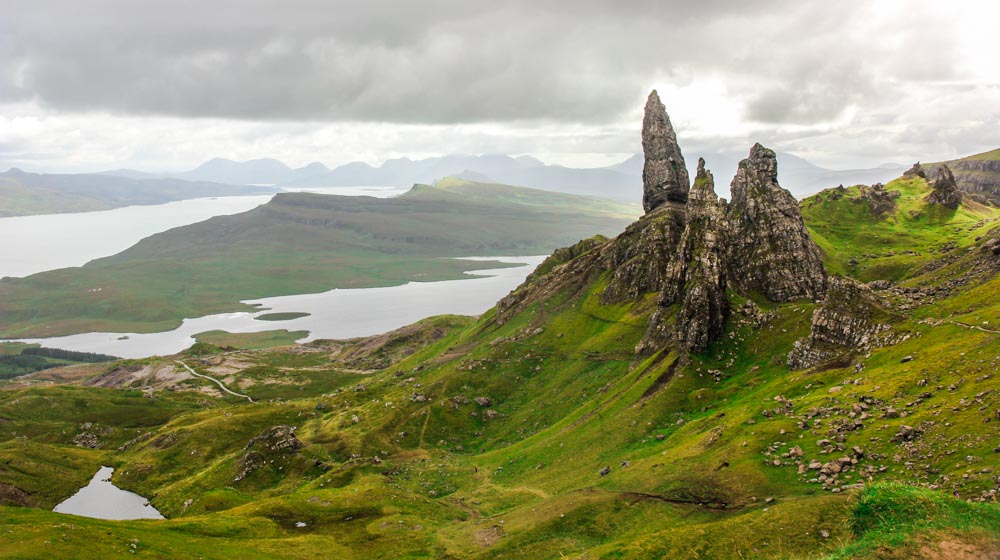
(431, 61)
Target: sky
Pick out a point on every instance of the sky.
(164, 86)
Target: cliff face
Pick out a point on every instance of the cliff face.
(769, 249)
(848, 319)
(977, 176)
(696, 279)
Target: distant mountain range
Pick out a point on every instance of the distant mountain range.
(32, 193)
(622, 181)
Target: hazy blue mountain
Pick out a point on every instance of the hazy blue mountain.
(264, 171)
(524, 171)
(621, 181)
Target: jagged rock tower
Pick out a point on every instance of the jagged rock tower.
(768, 243)
(691, 248)
(696, 279)
(664, 175)
(945, 191)
(758, 244)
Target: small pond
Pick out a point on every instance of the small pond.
(103, 500)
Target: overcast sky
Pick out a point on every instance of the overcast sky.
(158, 85)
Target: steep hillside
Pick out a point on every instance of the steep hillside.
(715, 382)
(301, 243)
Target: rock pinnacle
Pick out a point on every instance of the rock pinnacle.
(664, 175)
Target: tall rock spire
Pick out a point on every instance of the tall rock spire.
(664, 175)
(770, 251)
(696, 278)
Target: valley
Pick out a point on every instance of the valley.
(300, 243)
(761, 377)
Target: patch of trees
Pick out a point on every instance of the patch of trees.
(59, 354)
(31, 360)
(17, 364)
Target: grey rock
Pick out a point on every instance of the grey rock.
(696, 277)
(945, 191)
(664, 174)
(879, 200)
(770, 251)
(845, 322)
(915, 171)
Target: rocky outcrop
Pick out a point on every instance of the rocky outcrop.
(769, 249)
(690, 248)
(945, 191)
(915, 171)
(259, 451)
(696, 277)
(641, 255)
(851, 319)
(879, 200)
(976, 176)
(664, 175)
(11, 495)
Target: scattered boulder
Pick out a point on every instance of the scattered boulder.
(272, 442)
(906, 433)
(87, 440)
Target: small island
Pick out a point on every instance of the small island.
(281, 316)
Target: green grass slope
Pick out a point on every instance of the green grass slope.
(301, 243)
(866, 246)
(544, 436)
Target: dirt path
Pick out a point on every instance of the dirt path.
(968, 326)
(214, 380)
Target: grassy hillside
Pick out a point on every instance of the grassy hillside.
(36, 193)
(301, 243)
(544, 436)
(859, 243)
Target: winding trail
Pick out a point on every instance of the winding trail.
(214, 380)
(968, 326)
